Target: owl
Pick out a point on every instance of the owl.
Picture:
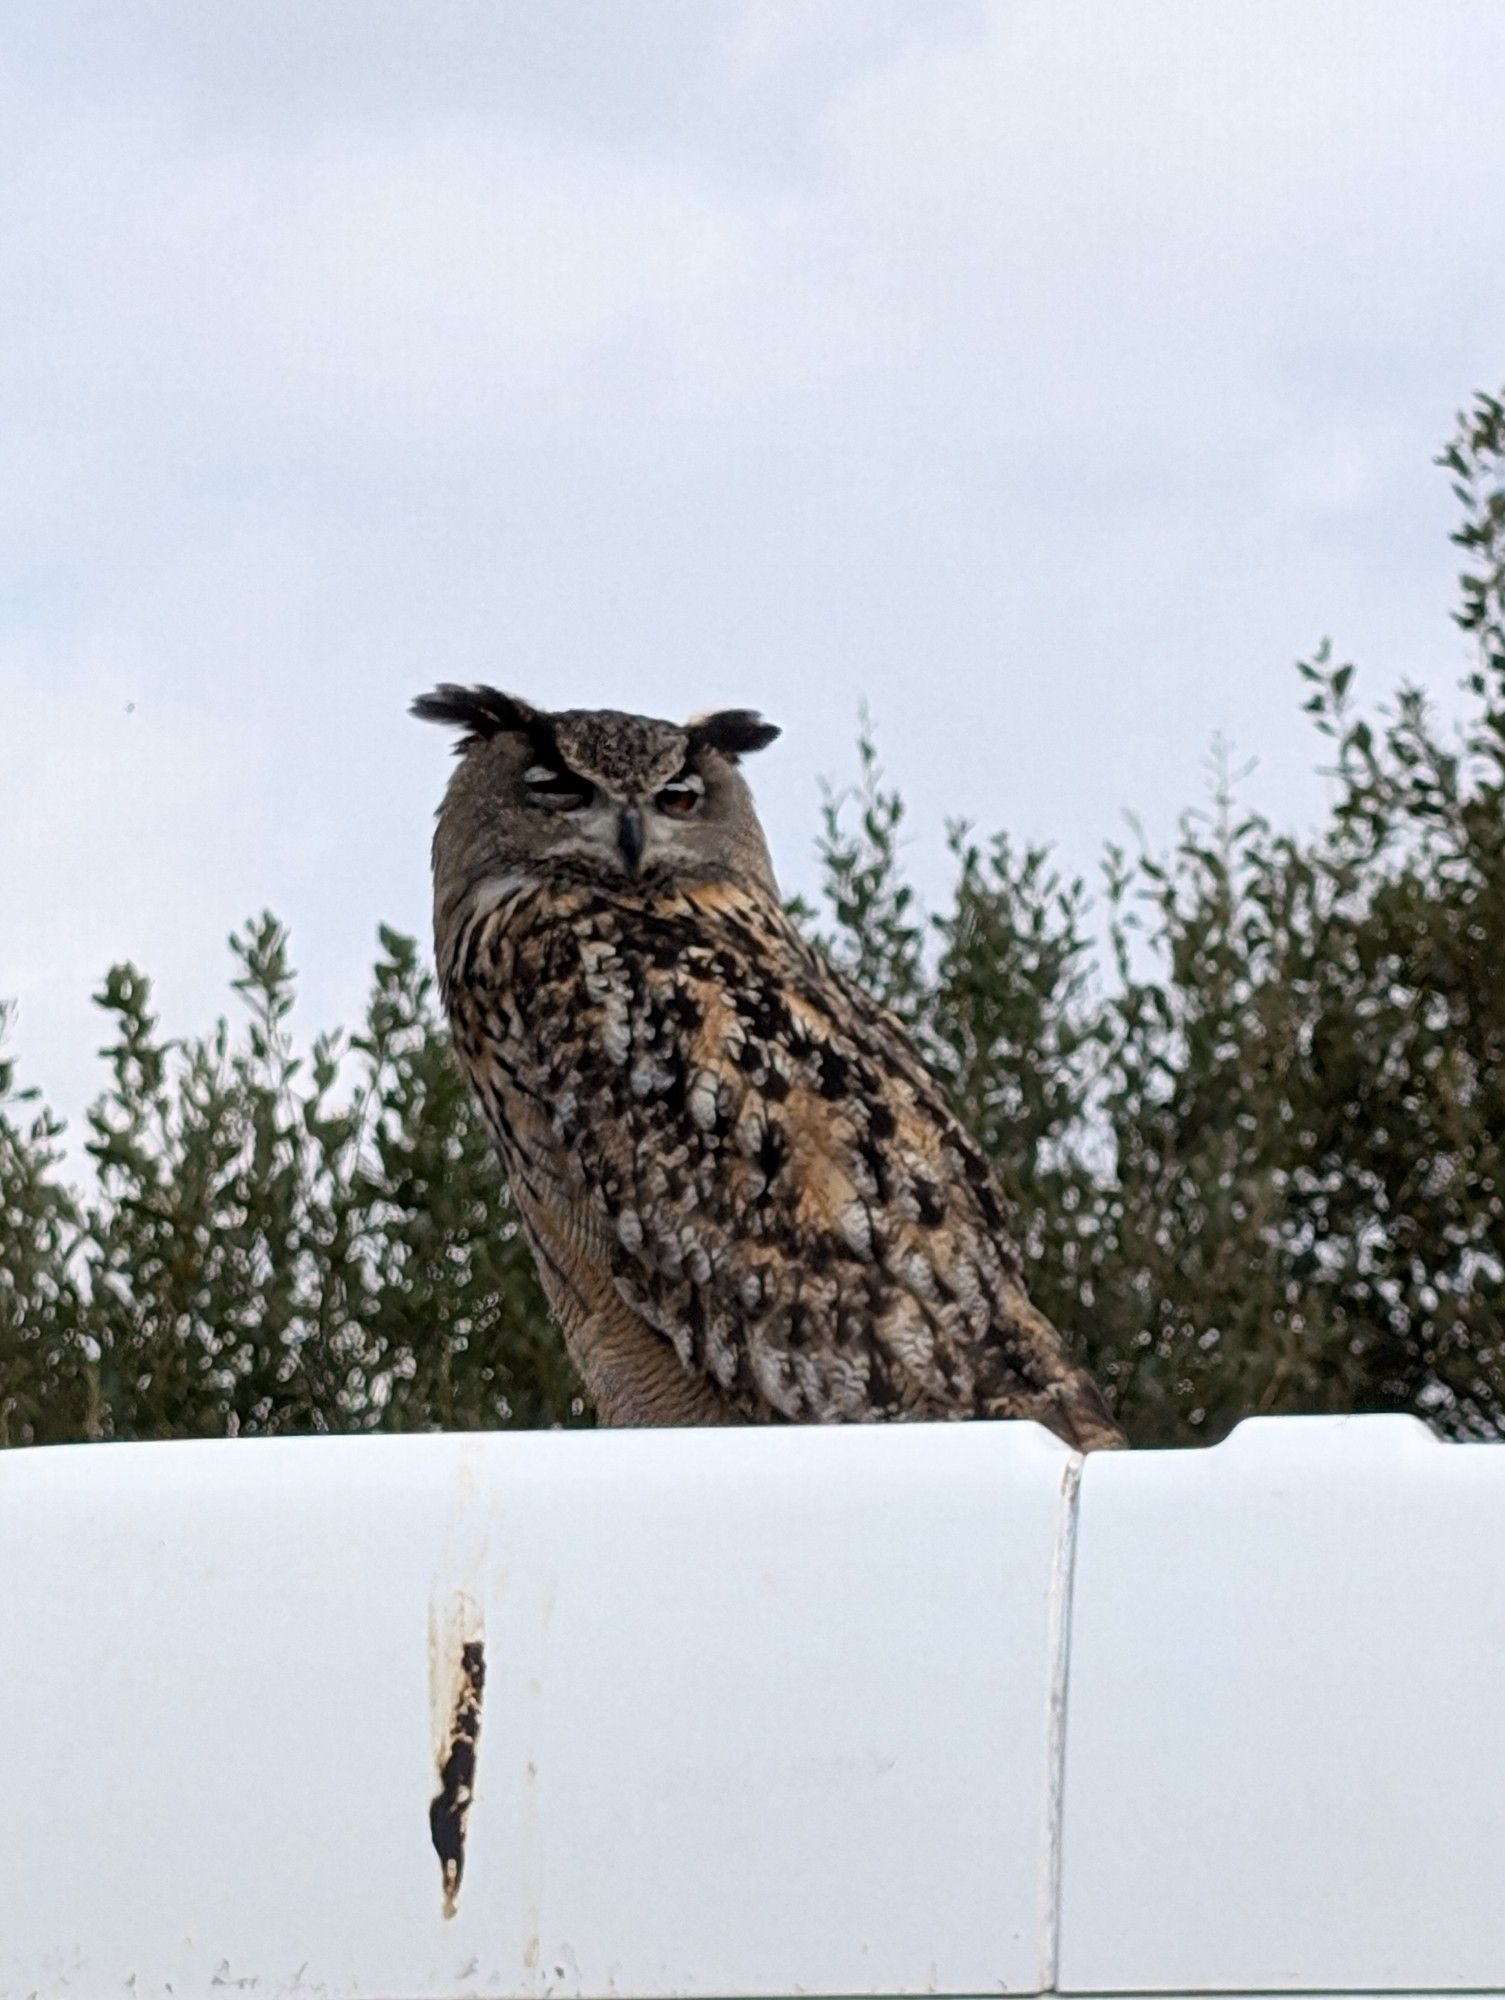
(747, 1197)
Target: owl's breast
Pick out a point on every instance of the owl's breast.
(751, 1150)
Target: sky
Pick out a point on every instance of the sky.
(1048, 376)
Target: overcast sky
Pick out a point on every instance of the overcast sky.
(1048, 374)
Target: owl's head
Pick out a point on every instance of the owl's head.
(594, 795)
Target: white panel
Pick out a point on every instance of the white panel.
(764, 1712)
(1285, 1733)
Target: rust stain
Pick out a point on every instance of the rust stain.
(456, 1761)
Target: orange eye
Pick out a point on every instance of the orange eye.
(681, 797)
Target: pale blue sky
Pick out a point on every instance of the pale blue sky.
(1049, 375)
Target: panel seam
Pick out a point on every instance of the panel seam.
(1062, 1584)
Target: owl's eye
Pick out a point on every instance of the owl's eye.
(681, 795)
(561, 790)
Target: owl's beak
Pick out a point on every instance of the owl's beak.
(630, 838)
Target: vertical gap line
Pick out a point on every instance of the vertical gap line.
(1062, 1581)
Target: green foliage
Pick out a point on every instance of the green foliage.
(1249, 1108)
(273, 1243)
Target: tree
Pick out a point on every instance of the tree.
(1255, 1145)
(272, 1244)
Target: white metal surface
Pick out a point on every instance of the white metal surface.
(763, 1712)
(1285, 1764)
(868, 1711)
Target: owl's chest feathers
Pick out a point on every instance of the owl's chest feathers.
(565, 1017)
(593, 991)
(692, 1050)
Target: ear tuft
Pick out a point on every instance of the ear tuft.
(482, 712)
(732, 731)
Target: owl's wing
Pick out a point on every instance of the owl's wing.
(788, 1199)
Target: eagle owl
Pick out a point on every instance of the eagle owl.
(746, 1195)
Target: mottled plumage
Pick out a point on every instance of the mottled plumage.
(748, 1199)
